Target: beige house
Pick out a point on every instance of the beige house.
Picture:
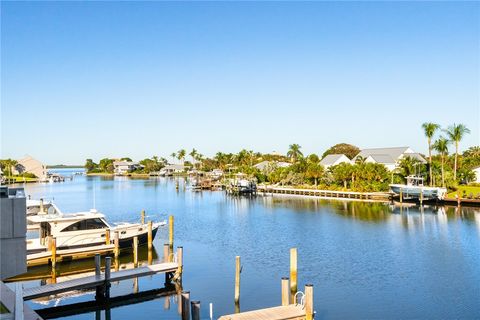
(31, 165)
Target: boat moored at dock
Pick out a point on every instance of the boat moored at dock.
(415, 190)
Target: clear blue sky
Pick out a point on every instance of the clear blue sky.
(110, 79)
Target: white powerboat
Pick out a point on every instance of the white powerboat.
(414, 188)
(84, 229)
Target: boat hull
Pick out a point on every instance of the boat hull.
(414, 192)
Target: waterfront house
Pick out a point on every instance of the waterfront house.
(477, 174)
(171, 169)
(334, 159)
(125, 167)
(268, 165)
(31, 165)
(389, 157)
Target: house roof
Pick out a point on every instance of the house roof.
(174, 167)
(331, 159)
(415, 155)
(394, 153)
(125, 163)
(382, 158)
(264, 164)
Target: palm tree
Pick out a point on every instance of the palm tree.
(294, 152)
(441, 146)
(173, 155)
(429, 129)
(455, 133)
(193, 154)
(181, 155)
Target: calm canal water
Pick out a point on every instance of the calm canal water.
(365, 260)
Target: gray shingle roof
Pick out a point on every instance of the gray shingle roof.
(383, 158)
(330, 159)
(394, 153)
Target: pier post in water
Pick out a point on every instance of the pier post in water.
(309, 302)
(98, 271)
(401, 195)
(285, 293)
(185, 305)
(237, 283)
(142, 215)
(293, 272)
(179, 272)
(150, 237)
(195, 310)
(135, 251)
(116, 241)
(54, 252)
(107, 236)
(421, 196)
(170, 232)
(166, 252)
(108, 266)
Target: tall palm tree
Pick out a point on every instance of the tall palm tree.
(455, 133)
(193, 154)
(441, 146)
(294, 152)
(181, 155)
(429, 129)
(173, 155)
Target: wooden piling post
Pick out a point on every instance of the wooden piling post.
(107, 236)
(108, 266)
(142, 215)
(309, 302)
(293, 272)
(285, 293)
(97, 265)
(150, 235)
(185, 305)
(170, 231)
(42, 210)
(179, 272)
(166, 252)
(54, 253)
(195, 305)
(237, 280)
(135, 251)
(48, 242)
(401, 195)
(116, 241)
(421, 196)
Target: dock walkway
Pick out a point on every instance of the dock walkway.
(276, 313)
(97, 280)
(382, 196)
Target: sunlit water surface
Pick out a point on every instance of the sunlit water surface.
(365, 260)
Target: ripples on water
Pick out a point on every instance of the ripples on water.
(366, 260)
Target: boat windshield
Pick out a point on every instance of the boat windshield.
(87, 224)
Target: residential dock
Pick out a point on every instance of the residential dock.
(274, 313)
(328, 194)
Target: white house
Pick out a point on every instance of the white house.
(389, 157)
(477, 174)
(124, 167)
(333, 159)
(171, 169)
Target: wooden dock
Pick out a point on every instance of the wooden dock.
(328, 194)
(98, 280)
(289, 312)
(44, 258)
(10, 301)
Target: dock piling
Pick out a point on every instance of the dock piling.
(401, 195)
(54, 252)
(185, 305)
(166, 252)
(309, 302)
(135, 251)
(178, 273)
(142, 216)
(107, 236)
(195, 305)
(170, 232)
(116, 241)
(285, 294)
(237, 281)
(150, 237)
(293, 272)
(97, 265)
(108, 266)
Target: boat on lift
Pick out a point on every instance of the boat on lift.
(414, 190)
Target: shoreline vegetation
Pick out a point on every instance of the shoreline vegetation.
(453, 171)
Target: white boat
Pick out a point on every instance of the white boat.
(414, 188)
(84, 229)
(41, 206)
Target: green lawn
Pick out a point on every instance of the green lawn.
(468, 189)
(20, 179)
